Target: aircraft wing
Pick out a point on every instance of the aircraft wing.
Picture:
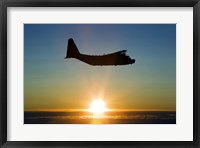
(118, 52)
(122, 51)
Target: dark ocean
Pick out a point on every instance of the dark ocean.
(112, 117)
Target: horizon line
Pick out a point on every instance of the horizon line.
(87, 110)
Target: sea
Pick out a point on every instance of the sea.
(110, 117)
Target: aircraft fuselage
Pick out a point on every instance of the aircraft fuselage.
(105, 59)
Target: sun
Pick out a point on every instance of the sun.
(97, 107)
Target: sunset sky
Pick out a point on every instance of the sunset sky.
(54, 83)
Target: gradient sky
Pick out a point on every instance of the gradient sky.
(52, 82)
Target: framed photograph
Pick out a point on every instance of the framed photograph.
(100, 74)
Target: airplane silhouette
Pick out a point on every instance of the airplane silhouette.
(117, 58)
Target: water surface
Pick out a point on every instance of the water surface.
(111, 117)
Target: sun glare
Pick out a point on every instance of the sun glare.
(98, 107)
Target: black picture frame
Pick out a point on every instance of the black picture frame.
(4, 4)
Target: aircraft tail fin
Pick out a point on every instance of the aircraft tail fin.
(72, 50)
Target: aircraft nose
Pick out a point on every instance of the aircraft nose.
(133, 60)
